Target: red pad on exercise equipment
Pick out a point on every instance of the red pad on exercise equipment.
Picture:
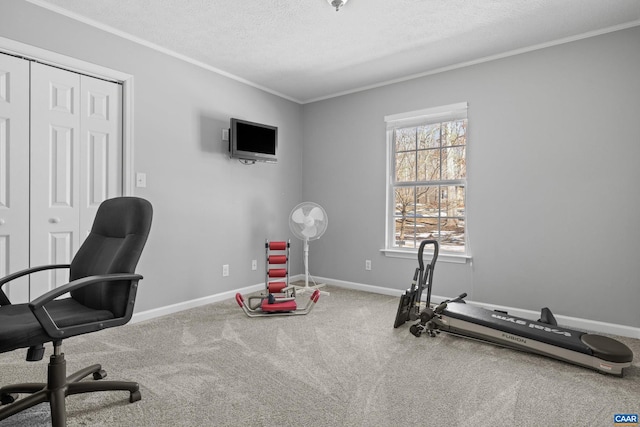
(239, 299)
(277, 246)
(278, 272)
(278, 306)
(277, 259)
(276, 287)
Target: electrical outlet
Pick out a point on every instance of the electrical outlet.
(367, 264)
(141, 179)
(225, 270)
(254, 264)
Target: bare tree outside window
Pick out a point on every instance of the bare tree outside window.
(429, 181)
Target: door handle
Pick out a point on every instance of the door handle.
(1, 221)
(54, 220)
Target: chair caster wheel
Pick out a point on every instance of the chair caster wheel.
(135, 396)
(101, 374)
(415, 330)
(6, 399)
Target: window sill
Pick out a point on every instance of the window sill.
(413, 253)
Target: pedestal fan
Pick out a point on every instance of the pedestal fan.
(308, 221)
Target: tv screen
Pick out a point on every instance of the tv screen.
(253, 142)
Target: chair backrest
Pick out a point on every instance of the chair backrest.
(114, 245)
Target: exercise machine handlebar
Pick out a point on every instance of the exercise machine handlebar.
(421, 250)
(426, 274)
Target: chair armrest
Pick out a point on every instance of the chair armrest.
(3, 297)
(37, 306)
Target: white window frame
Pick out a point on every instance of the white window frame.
(414, 118)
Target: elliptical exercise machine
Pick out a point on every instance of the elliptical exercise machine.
(543, 337)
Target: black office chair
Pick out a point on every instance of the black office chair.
(102, 293)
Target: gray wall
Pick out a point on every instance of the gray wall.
(209, 210)
(553, 199)
(552, 195)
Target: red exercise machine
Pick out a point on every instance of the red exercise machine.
(279, 298)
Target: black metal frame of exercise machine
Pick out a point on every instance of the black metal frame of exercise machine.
(409, 307)
(544, 336)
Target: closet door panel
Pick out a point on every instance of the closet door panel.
(55, 173)
(101, 146)
(14, 174)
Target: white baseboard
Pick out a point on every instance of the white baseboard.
(185, 305)
(568, 321)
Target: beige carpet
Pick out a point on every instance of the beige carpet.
(342, 365)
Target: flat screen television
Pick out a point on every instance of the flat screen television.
(253, 142)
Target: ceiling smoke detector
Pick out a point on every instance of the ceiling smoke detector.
(337, 3)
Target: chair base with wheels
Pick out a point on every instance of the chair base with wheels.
(58, 387)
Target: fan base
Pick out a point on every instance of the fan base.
(302, 288)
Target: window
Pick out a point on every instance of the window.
(428, 178)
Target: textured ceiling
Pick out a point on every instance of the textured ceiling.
(304, 50)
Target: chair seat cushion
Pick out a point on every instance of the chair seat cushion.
(19, 328)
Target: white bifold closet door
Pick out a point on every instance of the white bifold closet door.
(14, 173)
(73, 162)
(76, 163)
